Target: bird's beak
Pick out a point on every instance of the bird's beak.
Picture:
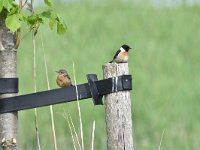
(57, 71)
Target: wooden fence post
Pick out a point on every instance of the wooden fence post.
(8, 121)
(118, 111)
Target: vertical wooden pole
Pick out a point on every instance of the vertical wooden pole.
(8, 121)
(118, 112)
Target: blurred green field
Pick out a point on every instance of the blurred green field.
(164, 63)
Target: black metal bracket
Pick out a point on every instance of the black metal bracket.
(97, 99)
(8, 85)
(94, 88)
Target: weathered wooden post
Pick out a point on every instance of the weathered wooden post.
(118, 111)
(8, 121)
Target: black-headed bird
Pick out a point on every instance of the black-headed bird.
(121, 56)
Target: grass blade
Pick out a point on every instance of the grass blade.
(48, 86)
(74, 131)
(70, 128)
(161, 139)
(93, 129)
(35, 89)
(79, 110)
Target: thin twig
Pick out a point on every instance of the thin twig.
(48, 85)
(161, 139)
(93, 129)
(20, 7)
(24, 4)
(32, 11)
(79, 110)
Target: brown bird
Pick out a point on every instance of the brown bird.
(63, 78)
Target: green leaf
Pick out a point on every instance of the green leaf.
(52, 23)
(1, 5)
(14, 10)
(53, 15)
(33, 19)
(48, 2)
(61, 28)
(7, 4)
(46, 14)
(13, 22)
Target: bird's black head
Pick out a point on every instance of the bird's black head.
(126, 47)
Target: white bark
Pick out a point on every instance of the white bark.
(8, 121)
(118, 112)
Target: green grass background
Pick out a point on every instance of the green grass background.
(164, 63)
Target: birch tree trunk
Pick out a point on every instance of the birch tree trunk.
(8, 121)
(118, 112)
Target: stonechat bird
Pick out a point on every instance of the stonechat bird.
(63, 78)
(121, 55)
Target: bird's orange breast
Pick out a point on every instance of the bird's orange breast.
(122, 57)
(125, 53)
(63, 81)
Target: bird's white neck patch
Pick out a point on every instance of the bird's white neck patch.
(122, 49)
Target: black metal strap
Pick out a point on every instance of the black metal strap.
(114, 84)
(97, 99)
(8, 85)
(95, 89)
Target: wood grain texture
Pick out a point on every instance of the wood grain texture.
(118, 111)
(8, 121)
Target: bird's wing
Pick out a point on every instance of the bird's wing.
(116, 54)
(68, 76)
